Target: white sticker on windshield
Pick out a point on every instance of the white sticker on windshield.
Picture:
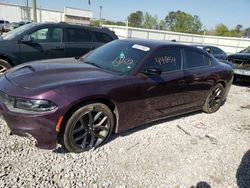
(140, 47)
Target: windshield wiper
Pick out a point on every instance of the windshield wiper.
(94, 64)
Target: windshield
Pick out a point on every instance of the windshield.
(118, 56)
(247, 50)
(12, 34)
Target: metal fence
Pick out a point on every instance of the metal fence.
(228, 44)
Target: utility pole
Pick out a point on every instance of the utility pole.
(100, 12)
(34, 10)
(28, 10)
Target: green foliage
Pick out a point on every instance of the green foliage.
(162, 25)
(106, 22)
(221, 30)
(150, 22)
(183, 22)
(135, 19)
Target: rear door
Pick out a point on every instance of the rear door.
(47, 43)
(198, 68)
(78, 41)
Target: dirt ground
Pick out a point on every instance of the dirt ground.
(198, 149)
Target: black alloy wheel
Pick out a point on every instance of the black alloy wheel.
(214, 99)
(89, 127)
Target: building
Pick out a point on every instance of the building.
(16, 13)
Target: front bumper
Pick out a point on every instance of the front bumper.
(242, 72)
(41, 127)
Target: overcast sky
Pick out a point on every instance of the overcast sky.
(211, 12)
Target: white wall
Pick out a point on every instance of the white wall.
(10, 13)
(228, 44)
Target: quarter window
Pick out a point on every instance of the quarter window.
(78, 35)
(194, 59)
(167, 60)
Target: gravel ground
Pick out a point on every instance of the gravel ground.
(179, 152)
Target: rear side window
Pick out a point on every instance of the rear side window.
(101, 37)
(78, 35)
(1, 21)
(167, 60)
(195, 59)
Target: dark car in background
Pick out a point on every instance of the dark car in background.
(241, 63)
(37, 41)
(215, 51)
(116, 87)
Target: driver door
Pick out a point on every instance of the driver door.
(46, 43)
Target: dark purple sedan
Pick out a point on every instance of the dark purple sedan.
(121, 85)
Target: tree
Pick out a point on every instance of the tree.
(135, 19)
(150, 22)
(247, 32)
(183, 22)
(162, 25)
(221, 30)
(238, 28)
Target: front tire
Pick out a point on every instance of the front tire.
(214, 99)
(4, 66)
(89, 127)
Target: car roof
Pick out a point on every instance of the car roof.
(64, 24)
(157, 43)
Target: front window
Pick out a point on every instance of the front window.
(118, 56)
(167, 60)
(47, 35)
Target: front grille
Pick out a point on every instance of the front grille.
(242, 66)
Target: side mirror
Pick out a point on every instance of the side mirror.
(152, 71)
(26, 39)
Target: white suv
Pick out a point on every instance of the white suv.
(4, 25)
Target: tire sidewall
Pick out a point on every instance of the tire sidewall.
(67, 137)
(206, 105)
(5, 64)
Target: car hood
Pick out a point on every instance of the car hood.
(54, 73)
(241, 56)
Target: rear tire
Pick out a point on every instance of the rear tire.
(88, 127)
(214, 99)
(4, 66)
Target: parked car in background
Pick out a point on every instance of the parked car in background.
(37, 41)
(215, 51)
(4, 26)
(241, 63)
(116, 87)
(15, 25)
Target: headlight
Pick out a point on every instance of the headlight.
(34, 105)
(27, 106)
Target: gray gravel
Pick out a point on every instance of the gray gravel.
(179, 152)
